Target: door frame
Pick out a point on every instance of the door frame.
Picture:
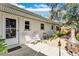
(5, 15)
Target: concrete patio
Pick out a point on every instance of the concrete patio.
(49, 48)
(24, 51)
(44, 48)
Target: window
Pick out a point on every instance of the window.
(42, 26)
(10, 28)
(52, 27)
(27, 25)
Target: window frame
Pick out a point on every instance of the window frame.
(51, 27)
(42, 26)
(27, 25)
(10, 28)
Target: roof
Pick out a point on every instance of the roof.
(11, 6)
(26, 11)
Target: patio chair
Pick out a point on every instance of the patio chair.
(35, 38)
(32, 37)
(28, 37)
(44, 36)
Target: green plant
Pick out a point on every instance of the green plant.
(54, 35)
(77, 36)
(2, 45)
(62, 33)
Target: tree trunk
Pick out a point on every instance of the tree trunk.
(72, 37)
(72, 33)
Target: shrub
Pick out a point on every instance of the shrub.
(54, 35)
(62, 33)
(77, 36)
(2, 45)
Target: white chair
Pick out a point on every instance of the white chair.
(32, 37)
(28, 36)
(35, 38)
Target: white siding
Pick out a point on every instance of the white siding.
(21, 30)
(35, 26)
(0, 25)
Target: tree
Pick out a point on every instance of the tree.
(52, 12)
(56, 13)
(71, 16)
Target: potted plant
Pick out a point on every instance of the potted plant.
(2, 46)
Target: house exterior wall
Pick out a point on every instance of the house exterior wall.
(0, 24)
(35, 25)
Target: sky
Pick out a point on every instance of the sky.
(38, 8)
